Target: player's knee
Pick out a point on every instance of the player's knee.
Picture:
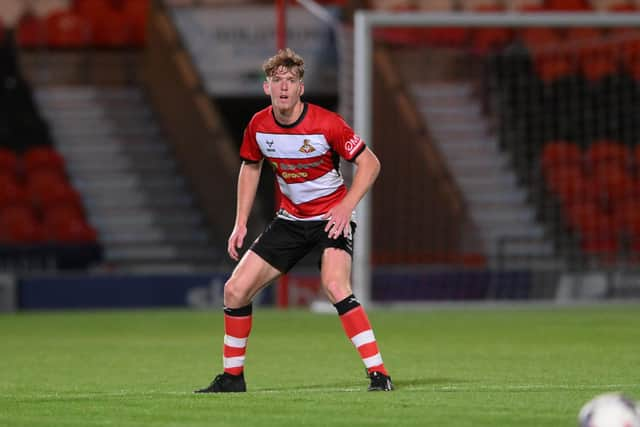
(234, 294)
(337, 291)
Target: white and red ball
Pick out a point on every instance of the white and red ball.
(610, 410)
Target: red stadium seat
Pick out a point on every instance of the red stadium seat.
(57, 214)
(603, 246)
(18, 224)
(65, 223)
(42, 157)
(539, 37)
(612, 184)
(626, 217)
(11, 192)
(486, 39)
(114, 30)
(137, 12)
(31, 31)
(552, 67)
(9, 162)
(568, 5)
(54, 192)
(597, 61)
(71, 230)
(569, 184)
(68, 29)
(561, 153)
(607, 152)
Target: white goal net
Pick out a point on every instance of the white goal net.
(510, 155)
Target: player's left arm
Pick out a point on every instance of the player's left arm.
(339, 216)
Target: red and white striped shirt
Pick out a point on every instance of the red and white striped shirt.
(305, 157)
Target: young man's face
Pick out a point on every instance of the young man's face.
(285, 88)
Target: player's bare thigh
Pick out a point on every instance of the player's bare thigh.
(335, 274)
(250, 275)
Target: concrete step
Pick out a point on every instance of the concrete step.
(152, 236)
(517, 215)
(132, 222)
(118, 202)
(118, 182)
(106, 145)
(479, 164)
(516, 196)
(471, 149)
(98, 167)
(440, 91)
(80, 133)
(445, 128)
(510, 230)
(161, 252)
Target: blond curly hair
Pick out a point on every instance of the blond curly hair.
(285, 58)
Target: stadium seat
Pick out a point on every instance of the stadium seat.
(435, 5)
(65, 223)
(603, 246)
(553, 67)
(480, 5)
(597, 60)
(9, 162)
(558, 153)
(607, 152)
(47, 188)
(612, 183)
(43, 8)
(68, 29)
(534, 38)
(588, 217)
(71, 230)
(568, 5)
(113, 30)
(626, 217)
(524, 5)
(31, 31)
(569, 184)
(487, 39)
(137, 12)
(425, 36)
(42, 157)
(613, 6)
(11, 191)
(98, 13)
(19, 225)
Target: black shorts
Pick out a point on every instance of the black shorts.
(284, 243)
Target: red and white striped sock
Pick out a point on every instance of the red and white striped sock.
(357, 327)
(237, 326)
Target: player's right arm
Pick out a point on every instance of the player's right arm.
(248, 179)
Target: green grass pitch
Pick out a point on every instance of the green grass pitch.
(451, 367)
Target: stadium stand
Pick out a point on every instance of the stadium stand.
(504, 135)
(33, 182)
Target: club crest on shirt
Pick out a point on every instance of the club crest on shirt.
(306, 147)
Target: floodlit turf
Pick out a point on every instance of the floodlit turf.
(458, 367)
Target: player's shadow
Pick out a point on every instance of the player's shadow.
(426, 382)
(413, 383)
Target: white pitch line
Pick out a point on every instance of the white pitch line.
(443, 388)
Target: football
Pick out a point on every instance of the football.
(610, 410)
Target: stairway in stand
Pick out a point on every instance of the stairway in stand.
(133, 192)
(497, 204)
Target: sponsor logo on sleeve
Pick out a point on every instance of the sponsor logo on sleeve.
(352, 144)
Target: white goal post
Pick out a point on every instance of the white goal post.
(366, 21)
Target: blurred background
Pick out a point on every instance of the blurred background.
(511, 163)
